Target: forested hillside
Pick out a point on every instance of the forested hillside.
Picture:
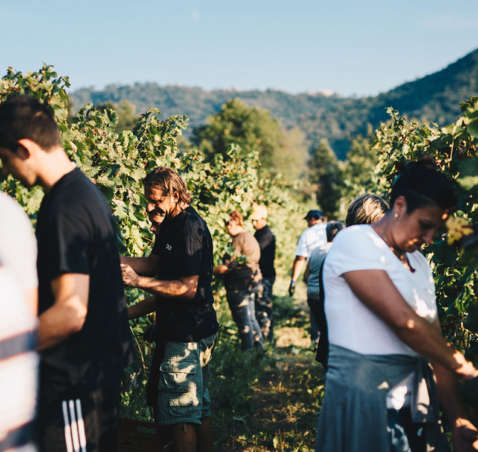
(435, 97)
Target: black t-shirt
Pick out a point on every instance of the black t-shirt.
(76, 234)
(184, 247)
(267, 242)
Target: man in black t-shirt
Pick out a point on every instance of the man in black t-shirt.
(267, 243)
(178, 273)
(83, 335)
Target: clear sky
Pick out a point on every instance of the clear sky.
(346, 46)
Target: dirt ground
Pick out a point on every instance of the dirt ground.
(286, 398)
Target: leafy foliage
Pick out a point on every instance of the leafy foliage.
(254, 130)
(325, 174)
(358, 169)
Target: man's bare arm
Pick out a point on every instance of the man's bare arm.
(297, 267)
(147, 266)
(68, 313)
(143, 307)
(183, 288)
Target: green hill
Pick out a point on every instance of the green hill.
(434, 97)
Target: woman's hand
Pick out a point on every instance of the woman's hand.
(465, 436)
(466, 370)
(221, 269)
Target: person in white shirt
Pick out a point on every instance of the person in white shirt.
(312, 279)
(18, 326)
(382, 315)
(18, 248)
(314, 236)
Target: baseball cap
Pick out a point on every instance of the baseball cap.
(314, 213)
(258, 212)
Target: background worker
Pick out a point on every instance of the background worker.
(314, 236)
(179, 274)
(242, 277)
(267, 244)
(312, 279)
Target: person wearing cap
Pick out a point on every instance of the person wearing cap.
(314, 236)
(267, 243)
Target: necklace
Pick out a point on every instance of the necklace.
(401, 255)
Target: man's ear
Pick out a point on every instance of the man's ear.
(25, 148)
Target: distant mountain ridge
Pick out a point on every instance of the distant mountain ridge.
(435, 97)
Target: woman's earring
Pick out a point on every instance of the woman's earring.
(395, 216)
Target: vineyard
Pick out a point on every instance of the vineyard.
(265, 402)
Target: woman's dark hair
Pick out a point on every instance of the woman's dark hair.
(422, 185)
(332, 229)
(23, 116)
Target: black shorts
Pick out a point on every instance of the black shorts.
(82, 423)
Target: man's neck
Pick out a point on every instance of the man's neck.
(180, 208)
(55, 164)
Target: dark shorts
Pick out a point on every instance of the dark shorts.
(183, 396)
(81, 423)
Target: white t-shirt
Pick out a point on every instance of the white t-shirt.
(311, 238)
(18, 246)
(353, 325)
(18, 359)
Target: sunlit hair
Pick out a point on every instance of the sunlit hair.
(422, 185)
(236, 217)
(24, 117)
(332, 229)
(169, 182)
(366, 209)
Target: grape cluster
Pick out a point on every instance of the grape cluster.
(457, 229)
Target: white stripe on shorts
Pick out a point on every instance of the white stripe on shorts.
(75, 436)
(81, 425)
(74, 426)
(69, 447)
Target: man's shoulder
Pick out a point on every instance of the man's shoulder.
(268, 232)
(74, 194)
(193, 222)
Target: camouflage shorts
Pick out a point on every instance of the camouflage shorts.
(183, 395)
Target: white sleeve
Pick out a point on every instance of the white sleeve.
(18, 247)
(302, 246)
(358, 248)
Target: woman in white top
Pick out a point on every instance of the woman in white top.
(382, 326)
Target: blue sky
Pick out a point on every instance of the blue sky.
(348, 47)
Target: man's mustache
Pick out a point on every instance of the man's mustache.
(157, 212)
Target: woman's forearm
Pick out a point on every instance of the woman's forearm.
(425, 339)
(375, 289)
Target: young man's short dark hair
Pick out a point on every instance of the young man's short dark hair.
(23, 116)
